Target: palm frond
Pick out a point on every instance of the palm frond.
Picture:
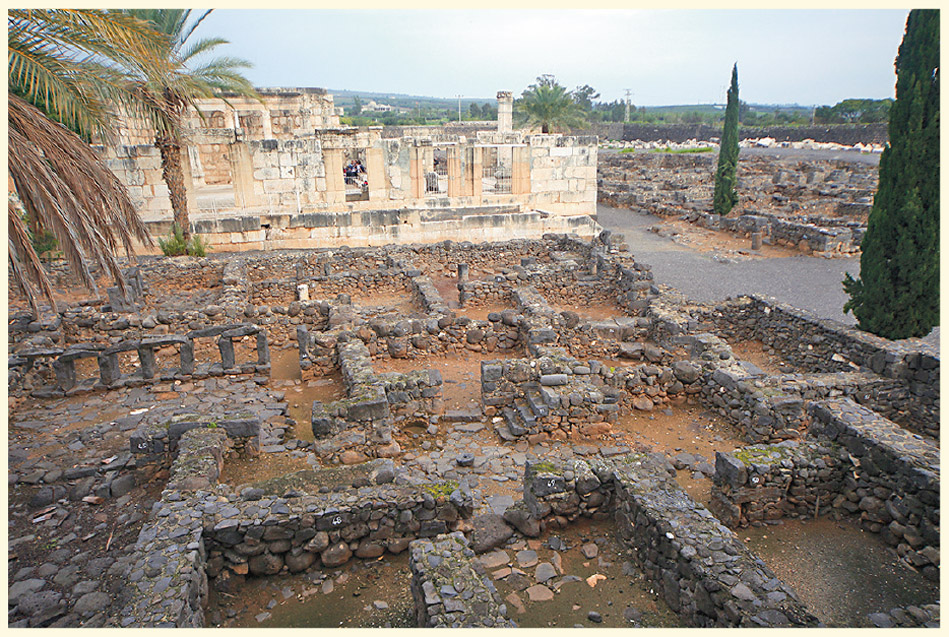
(63, 185)
(24, 263)
(200, 47)
(184, 33)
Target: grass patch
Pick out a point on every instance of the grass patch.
(682, 151)
(441, 489)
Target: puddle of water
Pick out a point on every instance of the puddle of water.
(839, 571)
(349, 602)
(572, 603)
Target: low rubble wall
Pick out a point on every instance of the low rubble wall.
(771, 482)
(447, 589)
(821, 345)
(893, 484)
(703, 571)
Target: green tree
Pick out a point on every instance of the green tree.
(187, 76)
(549, 105)
(357, 106)
(488, 112)
(65, 76)
(474, 111)
(725, 196)
(584, 96)
(897, 292)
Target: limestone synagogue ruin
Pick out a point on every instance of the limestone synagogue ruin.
(427, 376)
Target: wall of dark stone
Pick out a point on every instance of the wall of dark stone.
(842, 134)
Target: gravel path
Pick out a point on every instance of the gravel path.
(811, 283)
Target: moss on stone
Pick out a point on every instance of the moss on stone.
(544, 466)
(770, 453)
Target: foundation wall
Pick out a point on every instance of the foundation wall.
(820, 345)
(702, 570)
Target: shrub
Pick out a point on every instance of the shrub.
(176, 246)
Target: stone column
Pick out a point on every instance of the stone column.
(265, 121)
(109, 371)
(226, 346)
(521, 171)
(462, 272)
(65, 373)
(755, 240)
(242, 175)
(376, 174)
(186, 354)
(417, 172)
(505, 112)
(333, 167)
(263, 349)
(456, 180)
(146, 356)
(473, 172)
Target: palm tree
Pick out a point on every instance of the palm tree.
(549, 105)
(66, 72)
(183, 82)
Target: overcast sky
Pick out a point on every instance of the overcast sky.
(663, 57)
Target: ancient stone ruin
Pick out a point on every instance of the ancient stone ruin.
(272, 175)
(478, 418)
(817, 206)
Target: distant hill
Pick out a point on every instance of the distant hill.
(343, 97)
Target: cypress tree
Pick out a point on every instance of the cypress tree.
(897, 293)
(725, 195)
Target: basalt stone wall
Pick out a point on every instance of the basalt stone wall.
(485, 292)
(266, 536)
(168, 584)
(925, 616)
(547, 397)
(162, 438)
(561, 494)
(373, 399)
(821, 345)
(772, 482)
(825, 241)
(495, 256)
(842, 134)
(893, 484)
(703, 571)
(448, 590)
(417, 339)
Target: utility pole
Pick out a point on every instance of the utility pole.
(459, 107)
(628, 93)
